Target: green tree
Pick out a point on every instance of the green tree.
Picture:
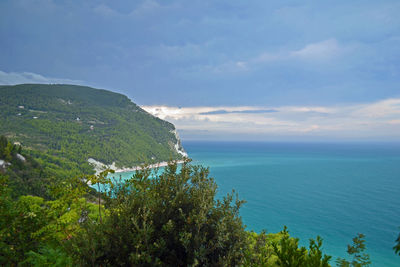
(282, 250)
(259, 251)
(9, 152)
(3, 145)
(396, 248)
(315, 258)
(288, 251)
(48, 256)
(35, 231)
(168, 219)
(357, 252)
(102, 181)
(19, 222)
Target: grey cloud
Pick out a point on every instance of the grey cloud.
(11, 78)
(368, 121)
(223, 111)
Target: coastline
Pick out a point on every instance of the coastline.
(151, 166)
(99, 166)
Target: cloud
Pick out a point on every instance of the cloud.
(318, 51)
(383, 109)
(11, 78)
(314, 53)
(394, 122)
(142, 10)
(223, 111)
(251, 51)
(105, 11)
(373, 121)
(146, 7)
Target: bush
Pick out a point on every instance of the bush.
(172, 219)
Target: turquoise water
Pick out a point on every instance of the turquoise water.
(331, 190)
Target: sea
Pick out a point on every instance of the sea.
(334, 190)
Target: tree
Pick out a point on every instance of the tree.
(19, 221)
(34, 231)
(356, 250)
(3, 145)
(259, 251)
(168, 219)
(315, 257)
(291, 255)
(396, 248)
(288, 252)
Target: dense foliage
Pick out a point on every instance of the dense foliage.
(71, 123)
(30, 173)
(35, 231)
(171, 219)
(282, 250)
(25, 174)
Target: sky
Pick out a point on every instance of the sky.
(221, 69)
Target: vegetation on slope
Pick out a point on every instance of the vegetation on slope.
(152, 219)
(67, 124)
(25, 174)
(28, 175)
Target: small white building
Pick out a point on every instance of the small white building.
(22, 107)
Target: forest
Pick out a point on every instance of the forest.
(70, 123)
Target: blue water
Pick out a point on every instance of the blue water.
(331, 190)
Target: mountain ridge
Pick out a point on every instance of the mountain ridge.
(75, 123)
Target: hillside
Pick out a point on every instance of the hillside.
(68, 124)
(25, 174)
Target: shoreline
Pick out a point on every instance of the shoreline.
(151, 166)
(99, 166)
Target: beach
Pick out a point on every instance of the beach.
(99, 166)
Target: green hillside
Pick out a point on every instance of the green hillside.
(68, 124)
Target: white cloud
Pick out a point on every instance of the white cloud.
(105, 11)
(148, 7)
(145, 8)
(379, 120)
(318, 53)
(383, 109)
(11, 78)
(314, 52)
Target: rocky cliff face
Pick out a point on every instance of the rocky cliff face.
(178, 145)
